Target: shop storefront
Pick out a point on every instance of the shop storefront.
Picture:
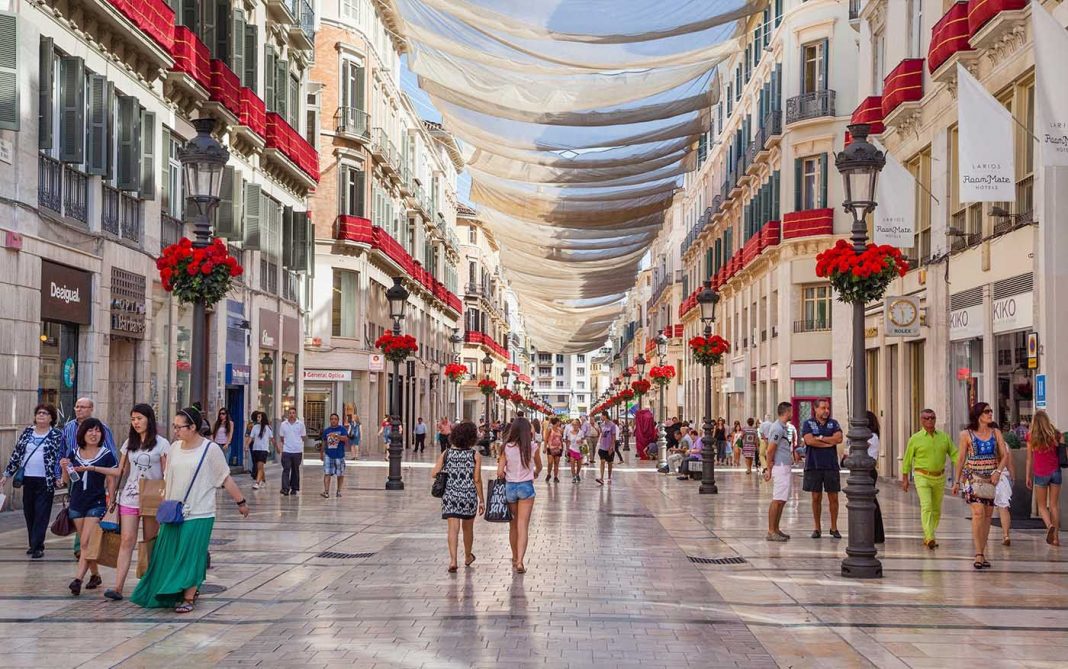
(323, 390)
(966, 329)
(1013, 322)
(267, 367)
(811, 383)
(125, 341)
(238, 375)
(291, 345)
(66, 299)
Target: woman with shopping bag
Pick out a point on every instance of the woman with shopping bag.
(519, 464)
(89, 473)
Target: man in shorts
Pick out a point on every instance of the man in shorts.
(781, 459)
(822, 435)
(606, 446)
(332, 450)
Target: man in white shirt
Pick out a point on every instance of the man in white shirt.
(291, 433)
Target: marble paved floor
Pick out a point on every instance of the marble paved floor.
(609, 584)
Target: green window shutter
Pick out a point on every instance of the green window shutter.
(109, 122)
(165, 172)
(228, 218)
(223, 28)
(9, 71)
(148, 154)
(309, 246)
(44, 94)
(281, 87)
(346, 84)
(237, 45)
(775, 192)
(96, 160)
(252, 55)
(288, 242)
(268, 79)
(253, 227)
(359, 84)
(128, 169)
(299, 260)
(798, 186)
(71, 109)
(823, 180)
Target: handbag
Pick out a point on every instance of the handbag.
(20, 473)
(982, 487)
(497, 510)
(171, 511)
(63, 526)
(441, 479)
(110, 521)
(1062, 456)
(150, 495)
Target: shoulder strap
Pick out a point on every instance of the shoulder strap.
(193, 480)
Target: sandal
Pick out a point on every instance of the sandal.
(978, 564)
(1051, 534)
(324, 495)
(520, 569)
(452, 569)
(467, 563)
(185, 607)
(986, 564)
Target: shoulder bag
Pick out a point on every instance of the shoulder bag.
(441, 480)
(171, 511)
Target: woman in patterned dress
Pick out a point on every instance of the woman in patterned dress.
(983, 460)
(463, 493)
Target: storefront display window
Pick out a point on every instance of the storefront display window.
(58, 380)
(265, 383)
(966, 358)
(289, 381)
(1015, 381)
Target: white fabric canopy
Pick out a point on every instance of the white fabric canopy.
(577, 119)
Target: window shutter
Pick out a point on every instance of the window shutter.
(798, 185)
(148, 154)
(299, 260)
(252, 55)
(228, 219)
(9, 71)
(253, 227)
(71, 110)
(109, 123)
(268, 79)
(166, 196)
(96, 162)
(209, 33)
(823, 180)
(361, 206)
(237, 46)
(188, 14)
(281, 86)
(359, 84)
(824, 58)
(44, 97)
(288, 242)
(128, 172)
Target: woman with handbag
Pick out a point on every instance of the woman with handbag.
(32, 467)
(982, 462)
(89, 491)
(1044, 473)
(554, 450)
(519, 464)
(196, 468)
(462, 498)
(143, 459)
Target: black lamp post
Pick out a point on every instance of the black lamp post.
(397, 296)
(484, 444)
(202, 159)
(661, 431)
(626, 406)
(860, 164)
(457, 341)
(707, 300)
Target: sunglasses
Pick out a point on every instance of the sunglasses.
(180, 427)
(988, 411)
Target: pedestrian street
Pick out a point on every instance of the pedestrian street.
(612, 580)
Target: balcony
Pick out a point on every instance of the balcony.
(283, 11)
(810, 105)
(352, 229)
(302, 30)
(903, 85)
(252, 114)
(75, 193)
(809, 223)
(990, 21)
(190, 78)
(483, 339)
(50, 183)
(818, 325)
(352, 122)
(870, 111)
(291, 153)
(382, 147)
(171, 231)
(854, 14)
(120, 214)
(949, 38)
(770, 132)
(224, 92)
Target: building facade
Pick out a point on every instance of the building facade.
(101, 101)
(385, 207)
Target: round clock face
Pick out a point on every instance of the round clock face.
(903, 313)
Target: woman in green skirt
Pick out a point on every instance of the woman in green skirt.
(180, 555)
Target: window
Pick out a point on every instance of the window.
(350, 9)
(581, 385)
(472, 235)
(311, 125)
(920, 168)
(559, 358)
(810, 173)
(559, 371)
(580, 358)
(878, 60)
(1025, 155)
(814, 67)
(352, 192)
(270, 217)
(344, 303)
(964, 218)
(815, 308)
(352, 87)
(559, 384)
(581, 371)
(914, 16)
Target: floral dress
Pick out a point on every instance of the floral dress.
(982, 460)
(461, 498)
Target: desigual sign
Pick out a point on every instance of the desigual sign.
(66, 294)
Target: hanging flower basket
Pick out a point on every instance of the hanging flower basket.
(487, 386)
(198, 274)
(709, 350)
(662, 376)
(456, 372)
(860, 277)
(640, 387)
(626, 395)
(504, 394)
(396, 348)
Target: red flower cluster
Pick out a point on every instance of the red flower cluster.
(504, 394)
(455, 371)
(662, 376)
(640, 387)
(709, 350)
(487, 386)
(860, 277)
(396, 347)
(198, 274)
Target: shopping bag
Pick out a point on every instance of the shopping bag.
(497, 510)
(144, 555)
(92, 545)
(110, 521)
(150, 494)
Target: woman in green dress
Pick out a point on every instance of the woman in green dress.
(195, 469)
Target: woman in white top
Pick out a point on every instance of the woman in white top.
(195, 470)
(874, 446)
(260, 441)
(574, 440)
(223, 430)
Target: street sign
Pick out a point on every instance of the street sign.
(1040, 391)
(1032, 350)
(376, 362)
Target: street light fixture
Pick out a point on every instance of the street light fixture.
(203, 159)
(397, 295)
(860, 164)
(707, 300)
(661, 431)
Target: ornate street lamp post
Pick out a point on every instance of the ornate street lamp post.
(484, 443)
(457, 341)
(661, 431)
(397, 296)
(707, 300)
(860, 164)
(202, 159)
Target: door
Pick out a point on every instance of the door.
(235, 406)
(805, 408)
(317, 407)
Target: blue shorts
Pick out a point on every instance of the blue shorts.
(513, 492)
(95, 512)
(334, 466)
(1054, 479)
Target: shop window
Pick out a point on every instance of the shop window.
(967, 364)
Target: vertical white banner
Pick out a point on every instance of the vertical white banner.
(895, 217)
(1051, 90)
(985, 153)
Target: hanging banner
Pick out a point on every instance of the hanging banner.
(1051, 95)
(895, 217)
(985, 144)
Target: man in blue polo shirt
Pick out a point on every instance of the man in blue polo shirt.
(822, 435)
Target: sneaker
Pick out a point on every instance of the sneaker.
(775, 537)
(75, 587)
(836, 534)
(815, 534)
(285, 492)
(94, 582)
(113, 595)
(37, 555)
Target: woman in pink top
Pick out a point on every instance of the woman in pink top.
(1044, 473)
(519, 464)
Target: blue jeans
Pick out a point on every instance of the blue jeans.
(513, 492)
(1053, 479)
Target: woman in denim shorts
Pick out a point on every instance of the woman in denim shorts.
(1044, 474)
(88, 495)
(519, 464)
